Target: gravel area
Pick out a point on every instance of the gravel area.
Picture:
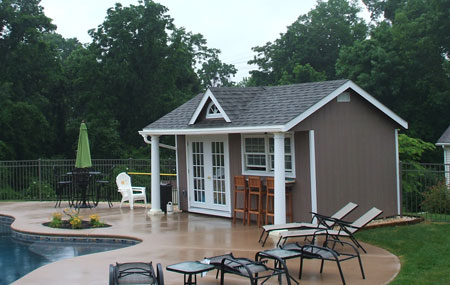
(394, 221)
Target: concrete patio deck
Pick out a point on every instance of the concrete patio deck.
(174, 238)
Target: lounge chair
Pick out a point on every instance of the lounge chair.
(322, 222)
(135, 273)
(254, 270)
(345, 229)
(310, 251)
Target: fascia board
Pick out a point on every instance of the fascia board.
(443, 144)
(211, 131)
(349, 84)
(379, 105)
(201, 105)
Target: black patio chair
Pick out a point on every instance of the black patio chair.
(322, 222)
(104, 187)
(135, 273)
(254, 270)
(326, 253)
(343, 229)
(63, 188)
(81, 179)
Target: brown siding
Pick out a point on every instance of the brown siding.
(301, 193)
(355, 156)
(182, 172)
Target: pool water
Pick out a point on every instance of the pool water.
(18, 258)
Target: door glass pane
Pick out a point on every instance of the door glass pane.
(218, 166)
(198, 172)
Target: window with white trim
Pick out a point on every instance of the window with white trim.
(212, 112)
(258, 153)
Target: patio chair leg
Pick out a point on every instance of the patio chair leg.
(358, 244)
(222, 276)
(340, 271)
(361, 266)
(267, 236)
(301, 268)
(321, 266)
(261, 236)
(279, 241)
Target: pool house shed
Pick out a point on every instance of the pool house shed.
(333, 139)
(444, 142)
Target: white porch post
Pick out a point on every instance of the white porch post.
(155, 178)
(280, 183)
(312, 167)
(397, 172)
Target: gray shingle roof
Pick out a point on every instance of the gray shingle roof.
(445, 138)
(252, 106)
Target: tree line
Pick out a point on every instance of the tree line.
(139, 66)
(401, 57)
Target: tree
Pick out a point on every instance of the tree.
(215, 73)
(144, 66)
(302, 74)
(314, 39)
(29, 69)
(404, 64)
(412, 149)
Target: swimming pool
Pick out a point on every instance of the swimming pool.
(18, 258)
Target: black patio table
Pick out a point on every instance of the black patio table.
(279, 256)
(189, 268)
(81, 180)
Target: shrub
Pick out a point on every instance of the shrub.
(32, 192)
(95, 221)
(56, 221)
(437, 199)
(74, 218)
(8, 193)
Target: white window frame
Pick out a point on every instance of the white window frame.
(213, 115)
(266, 171)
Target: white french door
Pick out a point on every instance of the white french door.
(208, 174)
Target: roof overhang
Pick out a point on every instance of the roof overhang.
(443, 144)
(209, 131)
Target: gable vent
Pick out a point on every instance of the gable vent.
(212, 112)
(343, 97)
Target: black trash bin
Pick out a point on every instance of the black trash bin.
(166, 196)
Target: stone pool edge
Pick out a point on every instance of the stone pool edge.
(29, 236)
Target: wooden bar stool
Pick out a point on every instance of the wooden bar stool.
(255, 191)
(270, 187)
(289, 210)
(240, 188)
(270, 199)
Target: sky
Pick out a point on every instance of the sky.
(233, 26)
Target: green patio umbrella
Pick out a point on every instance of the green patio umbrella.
(83, 152)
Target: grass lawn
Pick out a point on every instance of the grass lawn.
(423, 249)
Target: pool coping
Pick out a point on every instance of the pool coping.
(29, 236)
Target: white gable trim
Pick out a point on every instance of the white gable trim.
(208, 94)
(334, 94)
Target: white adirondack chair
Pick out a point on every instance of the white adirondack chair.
(129, 193)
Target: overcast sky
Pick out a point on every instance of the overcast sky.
(233, 26)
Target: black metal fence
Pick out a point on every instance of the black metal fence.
(36, 180)
(426, 190)
(425, 187)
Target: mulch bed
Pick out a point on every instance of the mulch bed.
(394, 221)
(84, 225)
